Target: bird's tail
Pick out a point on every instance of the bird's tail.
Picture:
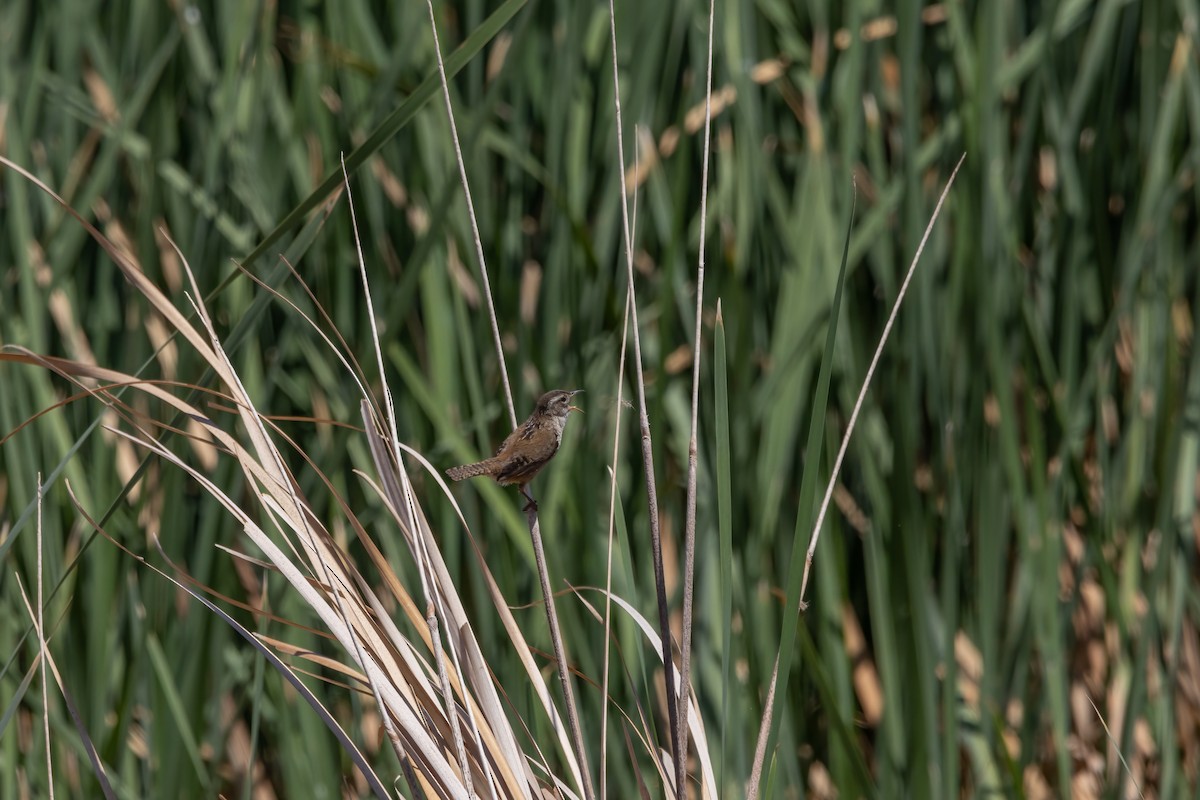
(486, 467)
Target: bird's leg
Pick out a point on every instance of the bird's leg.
(532, 504)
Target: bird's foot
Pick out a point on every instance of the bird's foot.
(531, 505)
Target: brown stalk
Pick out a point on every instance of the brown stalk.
(660, 583)
(531, 516)
(689, 536)
(630, 301)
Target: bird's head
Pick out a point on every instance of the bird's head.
(557, 402)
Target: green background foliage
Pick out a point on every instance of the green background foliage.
(1015, 529)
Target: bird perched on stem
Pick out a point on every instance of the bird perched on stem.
(527, 449)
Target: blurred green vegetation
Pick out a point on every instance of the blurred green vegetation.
(1016, 529)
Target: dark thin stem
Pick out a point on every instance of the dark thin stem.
(560, 655)
(660, 583)
(535, 534)
(689, 546)
(462, 172)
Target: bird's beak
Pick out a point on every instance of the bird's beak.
(575, 408)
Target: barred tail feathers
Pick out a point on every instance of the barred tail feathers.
(465, 471)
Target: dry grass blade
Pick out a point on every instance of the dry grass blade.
(530, 665)
(560, 654)
(862, 392)
(350, 621)
(509, 759)
(46, 659)
(695, 722)
(88, 746)
(441, 603)
(290, 675)
(760, 750)
(662, 759)
(338, 596)
(1032, 412)
(466, 186)
(402, 500)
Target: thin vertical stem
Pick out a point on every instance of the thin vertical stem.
(689, 545)
(612, 514)
(462, 173)
(664, 621)
(535, 533)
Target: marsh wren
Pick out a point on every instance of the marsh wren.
(527, 449)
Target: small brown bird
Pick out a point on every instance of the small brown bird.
(527, 449)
